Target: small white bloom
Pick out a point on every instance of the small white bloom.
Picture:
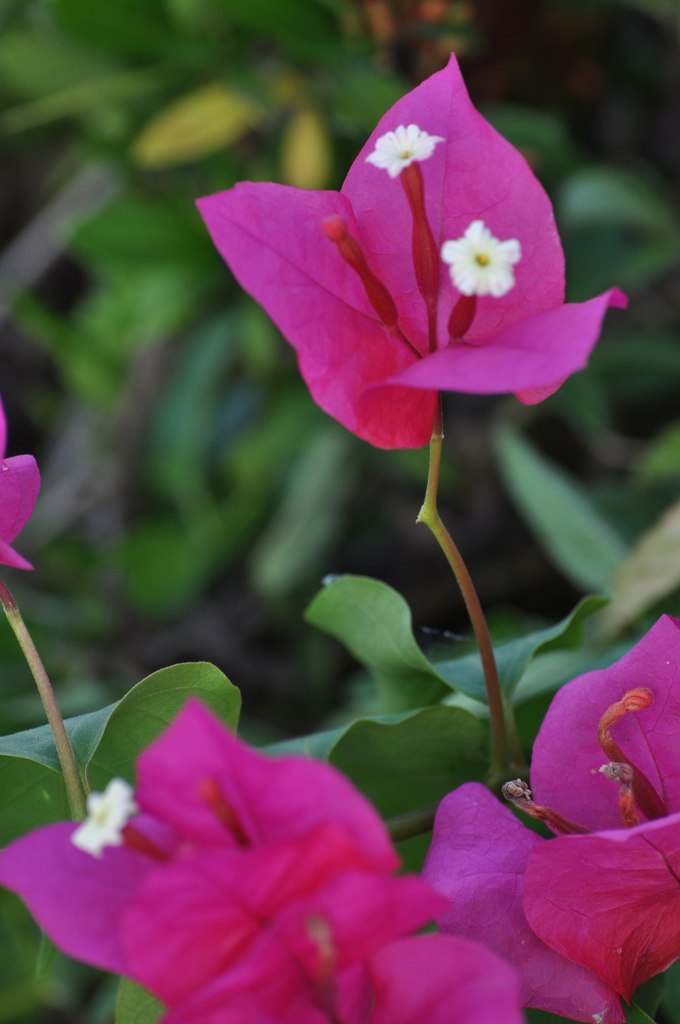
(396, 150)
(107, 815)
(480, 264)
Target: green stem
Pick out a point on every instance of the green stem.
(413, 823)
(429, 514)
(72, 781)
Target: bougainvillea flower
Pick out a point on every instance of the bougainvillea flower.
(604, 896)
(355, 280)
(477, 860)
(219, 818)
(430, 979)
(19, 486)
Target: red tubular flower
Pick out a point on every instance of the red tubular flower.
(394, 288)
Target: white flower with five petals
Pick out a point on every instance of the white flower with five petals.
(480, 264)
(398, 149)
(107, 815)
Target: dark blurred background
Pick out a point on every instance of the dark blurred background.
(193, 496)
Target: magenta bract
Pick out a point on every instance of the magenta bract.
(256, 889)
(607, 902)
(19, 486)
(357, 369)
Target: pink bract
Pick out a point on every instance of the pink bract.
(428, 979)
(19, 486)
(477, 860)
(276, 800)
(259, 890)
(608, 901)
(526, 342)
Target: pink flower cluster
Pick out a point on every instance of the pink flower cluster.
(254, 890)
(588, 916)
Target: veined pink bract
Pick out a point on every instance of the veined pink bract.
(583, 917)
(379, 376)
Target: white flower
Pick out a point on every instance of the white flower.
(107, 815)
(480, 264)
(398, 149)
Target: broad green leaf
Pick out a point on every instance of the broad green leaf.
(649, 995)
(514, 657)
(135, 1005)
(636, 1015)
(576, 537)
(404, 761)
(106, 743)
(308, 518)
(150, 706)
(195, 125)
(649, 572)
(374, 622)
(414, 761)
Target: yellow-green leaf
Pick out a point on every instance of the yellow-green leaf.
(196, 125)
(650, 571)
(305, 151)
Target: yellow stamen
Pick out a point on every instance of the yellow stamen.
(482, 260)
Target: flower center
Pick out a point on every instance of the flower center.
(480, 264)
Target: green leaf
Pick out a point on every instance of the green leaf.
(374, 623)
(648, 996)
(309, 517)
(135, 1005)
(576, 537)
(636, 1015)
(514, 657)
(106, 743)
(149, 707)
(671, 996)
